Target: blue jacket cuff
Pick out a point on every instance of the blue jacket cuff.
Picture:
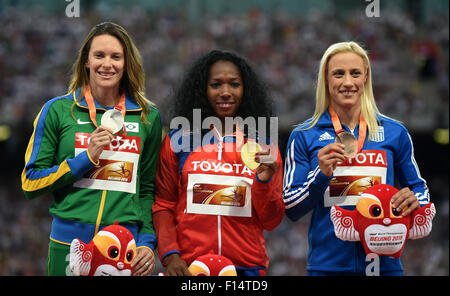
(169, 253)
(80, 164)
(146, 240)
(270, 179)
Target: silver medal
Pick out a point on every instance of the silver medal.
(113, 119)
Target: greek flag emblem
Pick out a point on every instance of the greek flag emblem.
(380, 134)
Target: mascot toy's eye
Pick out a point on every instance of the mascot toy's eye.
(395, 212)
(131, 251)
(130, 255)
(370, 207)
(113, 251)
(375, 210)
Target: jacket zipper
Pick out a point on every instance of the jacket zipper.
(219, 219)
(220, 144)
(219, 236)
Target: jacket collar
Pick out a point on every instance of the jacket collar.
(325, 119)
(130, 103)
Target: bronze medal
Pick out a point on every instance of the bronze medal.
(350, 143)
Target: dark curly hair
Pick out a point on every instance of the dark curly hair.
(192, 93)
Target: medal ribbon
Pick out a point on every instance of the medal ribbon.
(93, 111)
(338, 127)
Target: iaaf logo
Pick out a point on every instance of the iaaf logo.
(206, 166)
(127, 144)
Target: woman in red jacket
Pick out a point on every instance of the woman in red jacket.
(207, 199)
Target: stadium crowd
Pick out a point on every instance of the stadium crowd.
(37, 49)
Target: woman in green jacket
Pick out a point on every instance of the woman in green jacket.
(97, 176)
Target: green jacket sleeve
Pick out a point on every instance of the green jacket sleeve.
(149, 161)
(42, 174)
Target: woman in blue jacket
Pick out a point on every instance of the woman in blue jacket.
(319, 173)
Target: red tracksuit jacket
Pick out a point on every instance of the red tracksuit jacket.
(214, 203)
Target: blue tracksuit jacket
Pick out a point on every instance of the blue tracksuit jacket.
(390, 155)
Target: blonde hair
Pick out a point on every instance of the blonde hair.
(133, 80)
(369, 109)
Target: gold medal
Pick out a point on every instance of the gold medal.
(350, 143)
(248, 154)
(113, 120)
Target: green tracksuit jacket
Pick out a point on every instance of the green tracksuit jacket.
(88, 197)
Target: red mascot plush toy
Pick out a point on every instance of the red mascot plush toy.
(212, 265)
(381, 229)
(108, 254)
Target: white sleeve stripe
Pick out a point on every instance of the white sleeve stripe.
(287, 167)
(312, 172)
(423, 198)
(421, 195)
(290, 167)
(304, 188)
(292, 163)
(297, 201)
(310, 178)
(413, 160)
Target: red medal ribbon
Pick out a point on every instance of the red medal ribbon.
(338, 127)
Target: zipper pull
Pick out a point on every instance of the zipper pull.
(220, 138)
(220, 150)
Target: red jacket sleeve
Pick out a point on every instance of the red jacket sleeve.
(166, 182)
(268, 199)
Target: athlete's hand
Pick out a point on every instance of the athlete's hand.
(329, 157)
(176, 266)
(143, 263)
(100, 138)
(268, 167)
(405, 201)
